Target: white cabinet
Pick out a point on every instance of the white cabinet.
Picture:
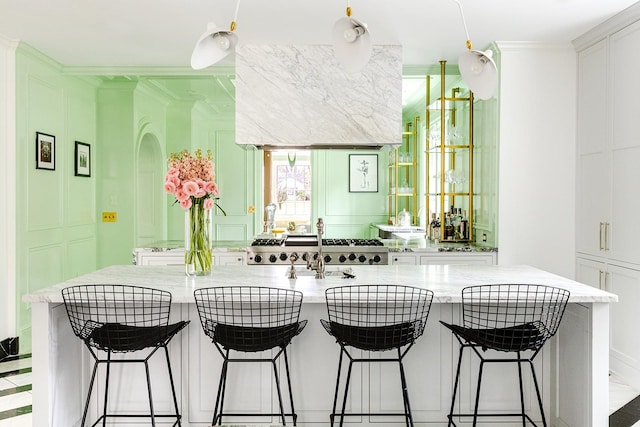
(484, 258)
(593, 176)
(608, 173)
(145, 256)
(608, 152)
(234, 258)
(624, 281)
(625, 144)
(442, 258)
(403, 258)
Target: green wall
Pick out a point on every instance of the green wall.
(55, 210)
(60, 233)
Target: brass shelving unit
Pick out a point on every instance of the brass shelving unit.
(449, 158)
(403, 173)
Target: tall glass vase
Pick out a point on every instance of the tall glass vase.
(198, 239)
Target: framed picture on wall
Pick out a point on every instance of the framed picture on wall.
(363, 173)
(82, 159)
(45, 151)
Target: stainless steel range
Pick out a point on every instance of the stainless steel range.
(264, 251)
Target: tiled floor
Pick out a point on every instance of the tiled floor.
(624, 404)
(15, 392)
(15, 396)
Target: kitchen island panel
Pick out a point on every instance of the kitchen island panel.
(574, 368)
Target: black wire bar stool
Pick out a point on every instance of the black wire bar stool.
(512, 318)
(122, 319)
(250, 319)
(375, 318)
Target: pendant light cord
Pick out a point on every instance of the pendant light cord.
(464, 22)
(235, 16)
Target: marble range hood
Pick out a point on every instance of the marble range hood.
(291, 96)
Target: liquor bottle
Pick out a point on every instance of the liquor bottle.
(456, 221)
(464, 226)
(448, 228)
(432, 227)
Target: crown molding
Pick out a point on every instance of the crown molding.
(622, 19)
(147, 71)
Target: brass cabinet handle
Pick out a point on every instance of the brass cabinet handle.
(606, 236)
(600, 246)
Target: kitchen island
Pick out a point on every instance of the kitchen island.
(573, 368)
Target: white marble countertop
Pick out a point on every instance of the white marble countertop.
(446, 281)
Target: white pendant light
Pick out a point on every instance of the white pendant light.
(215, 44)
(351, 43)
(477, 68)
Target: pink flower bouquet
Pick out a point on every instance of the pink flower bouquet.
(191, 179)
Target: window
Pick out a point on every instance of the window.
(287, 183)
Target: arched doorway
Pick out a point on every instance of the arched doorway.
(150, 209)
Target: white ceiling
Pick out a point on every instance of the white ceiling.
(140, 33)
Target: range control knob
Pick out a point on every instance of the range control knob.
(362, 258)
(327, 258)
(305, 256)
(273, 258)
(283, 256)
(352, 257)
(257, 259)
(342, 258)
(376, 258)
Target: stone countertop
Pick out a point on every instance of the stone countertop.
(425, 245)
(446, 281)
(178, 245)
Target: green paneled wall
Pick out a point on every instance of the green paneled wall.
(55, 210)
(60, 232)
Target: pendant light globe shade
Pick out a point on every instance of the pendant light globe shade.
(351, 44)
(479, 72)
(213, 46)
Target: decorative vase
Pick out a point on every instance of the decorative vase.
(198, 239)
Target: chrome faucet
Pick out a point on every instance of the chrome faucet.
(292, 270)
(318, 263)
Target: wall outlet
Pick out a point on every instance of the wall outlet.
(484, 237)
(109, 216)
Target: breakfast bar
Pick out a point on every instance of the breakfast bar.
(573, 369)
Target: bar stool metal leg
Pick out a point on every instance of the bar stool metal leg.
(405, 393)
(275, 374)
(455, 386)
(106, 390)
(524, 418)
(346, 389)
(535, 382)
(221, 388)
(293, 410)
(153, 414)
(93, 377)
(475, 409)
(335, 396)
(173, 388)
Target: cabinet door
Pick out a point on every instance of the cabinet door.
(625, 144)
(592, 273)
(624, 349)
(593, 182)
(403, 259)
(229, 259)
(483, 259)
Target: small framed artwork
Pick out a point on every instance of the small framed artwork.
(363, 173)
(45, 151)
(82, 159)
